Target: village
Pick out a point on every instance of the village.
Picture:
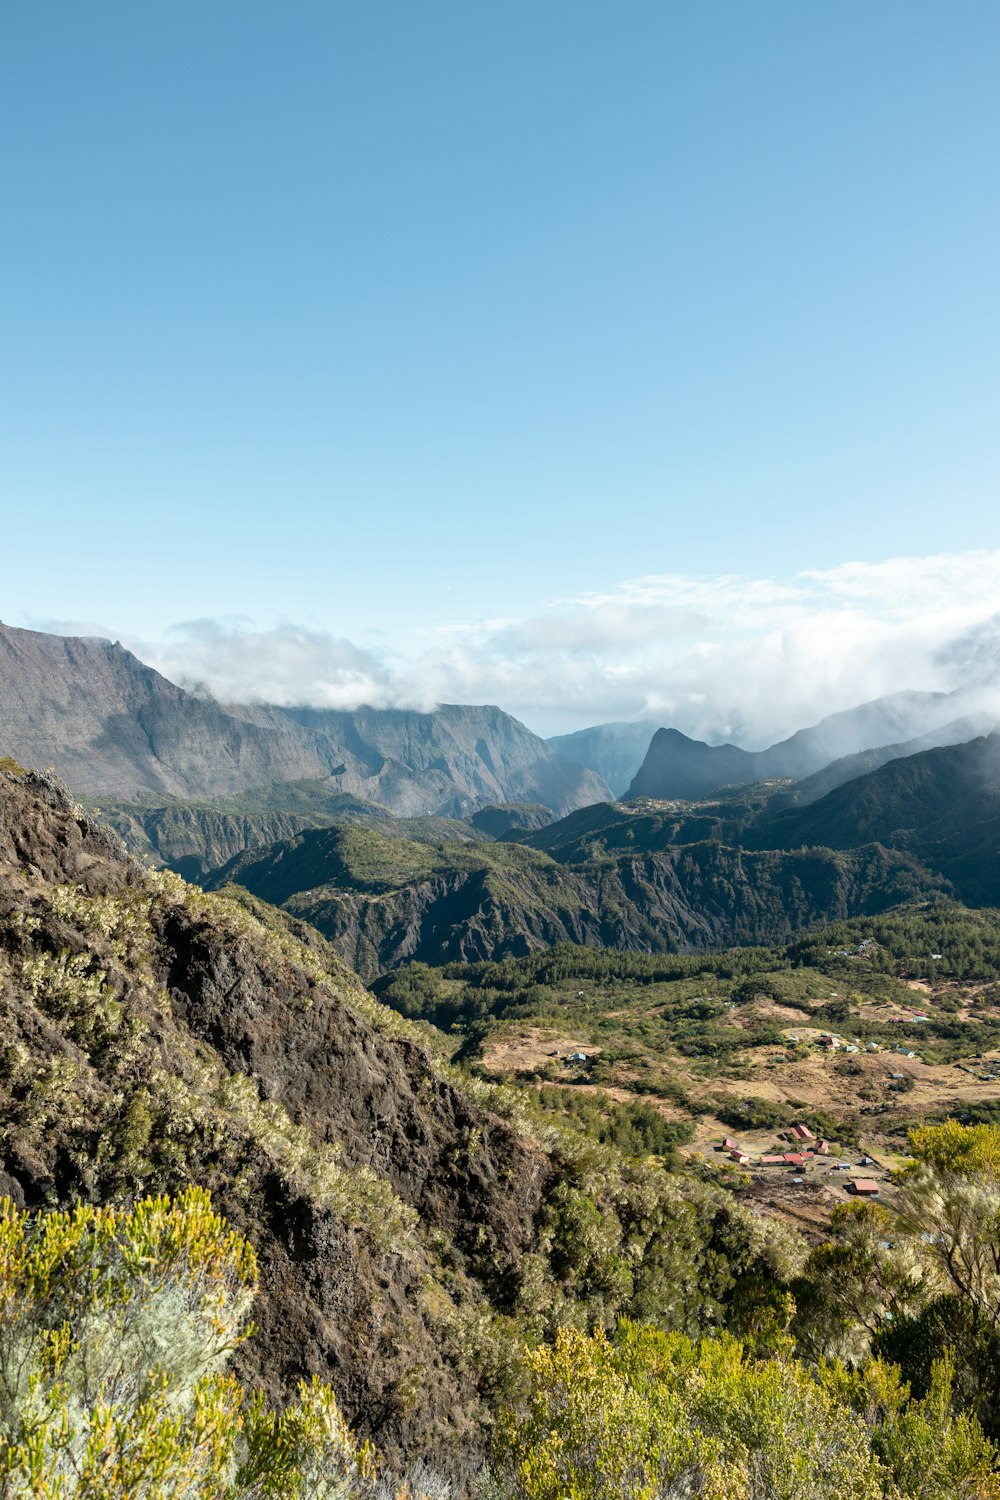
(803, 1160)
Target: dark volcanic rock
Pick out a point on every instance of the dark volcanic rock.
(147, 1040)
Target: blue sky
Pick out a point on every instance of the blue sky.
(419, 329)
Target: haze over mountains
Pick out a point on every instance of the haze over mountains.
(113, 727)
(614, 751)
(460, 834)
(676, 766)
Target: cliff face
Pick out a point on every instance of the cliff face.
(411, 1225)
(150, 1035)
(112, 727)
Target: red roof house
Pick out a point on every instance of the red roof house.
(802, 1133)
(864, 1185)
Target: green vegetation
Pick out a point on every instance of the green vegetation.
(655, 1415)
(116, 1328)
(673, 1027)
(559, 1257)
(383, 900)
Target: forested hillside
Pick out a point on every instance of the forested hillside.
(382, 901)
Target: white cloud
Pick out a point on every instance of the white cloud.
(748, 658)
(287, 664)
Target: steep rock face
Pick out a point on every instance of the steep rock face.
(614, 751)
(678, 767)
(448, 762)
(192, 839)
(149, 1036)
(112, 727)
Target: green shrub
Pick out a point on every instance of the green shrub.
(115, 1330)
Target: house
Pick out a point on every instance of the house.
(772, 1161)
(824, 1148)
(802, 1133)
(730, 1145)
(793, 1159)
(740, 1157)
(578, 1057)
(865, 1187)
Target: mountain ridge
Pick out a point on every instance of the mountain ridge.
(677, 766)
(112, 726)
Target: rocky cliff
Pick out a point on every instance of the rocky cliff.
(412, 1225)
(150, 1035)
(113, 727)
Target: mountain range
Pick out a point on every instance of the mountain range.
(676, 766)
(744, 868)
(460, 834)
(113, 727)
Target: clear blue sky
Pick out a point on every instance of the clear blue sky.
(378, 316)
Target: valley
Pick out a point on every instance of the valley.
(480, 1058)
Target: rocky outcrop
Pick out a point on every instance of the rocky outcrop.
(150, 1035)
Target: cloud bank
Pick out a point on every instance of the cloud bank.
(742, 658)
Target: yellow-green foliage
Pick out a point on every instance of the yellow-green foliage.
(114, 1332)
(655, 1416)
(950, 1204)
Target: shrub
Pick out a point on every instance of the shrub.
(115, 1330)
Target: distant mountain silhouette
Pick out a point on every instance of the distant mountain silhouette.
(614, 751)
(679, 767)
